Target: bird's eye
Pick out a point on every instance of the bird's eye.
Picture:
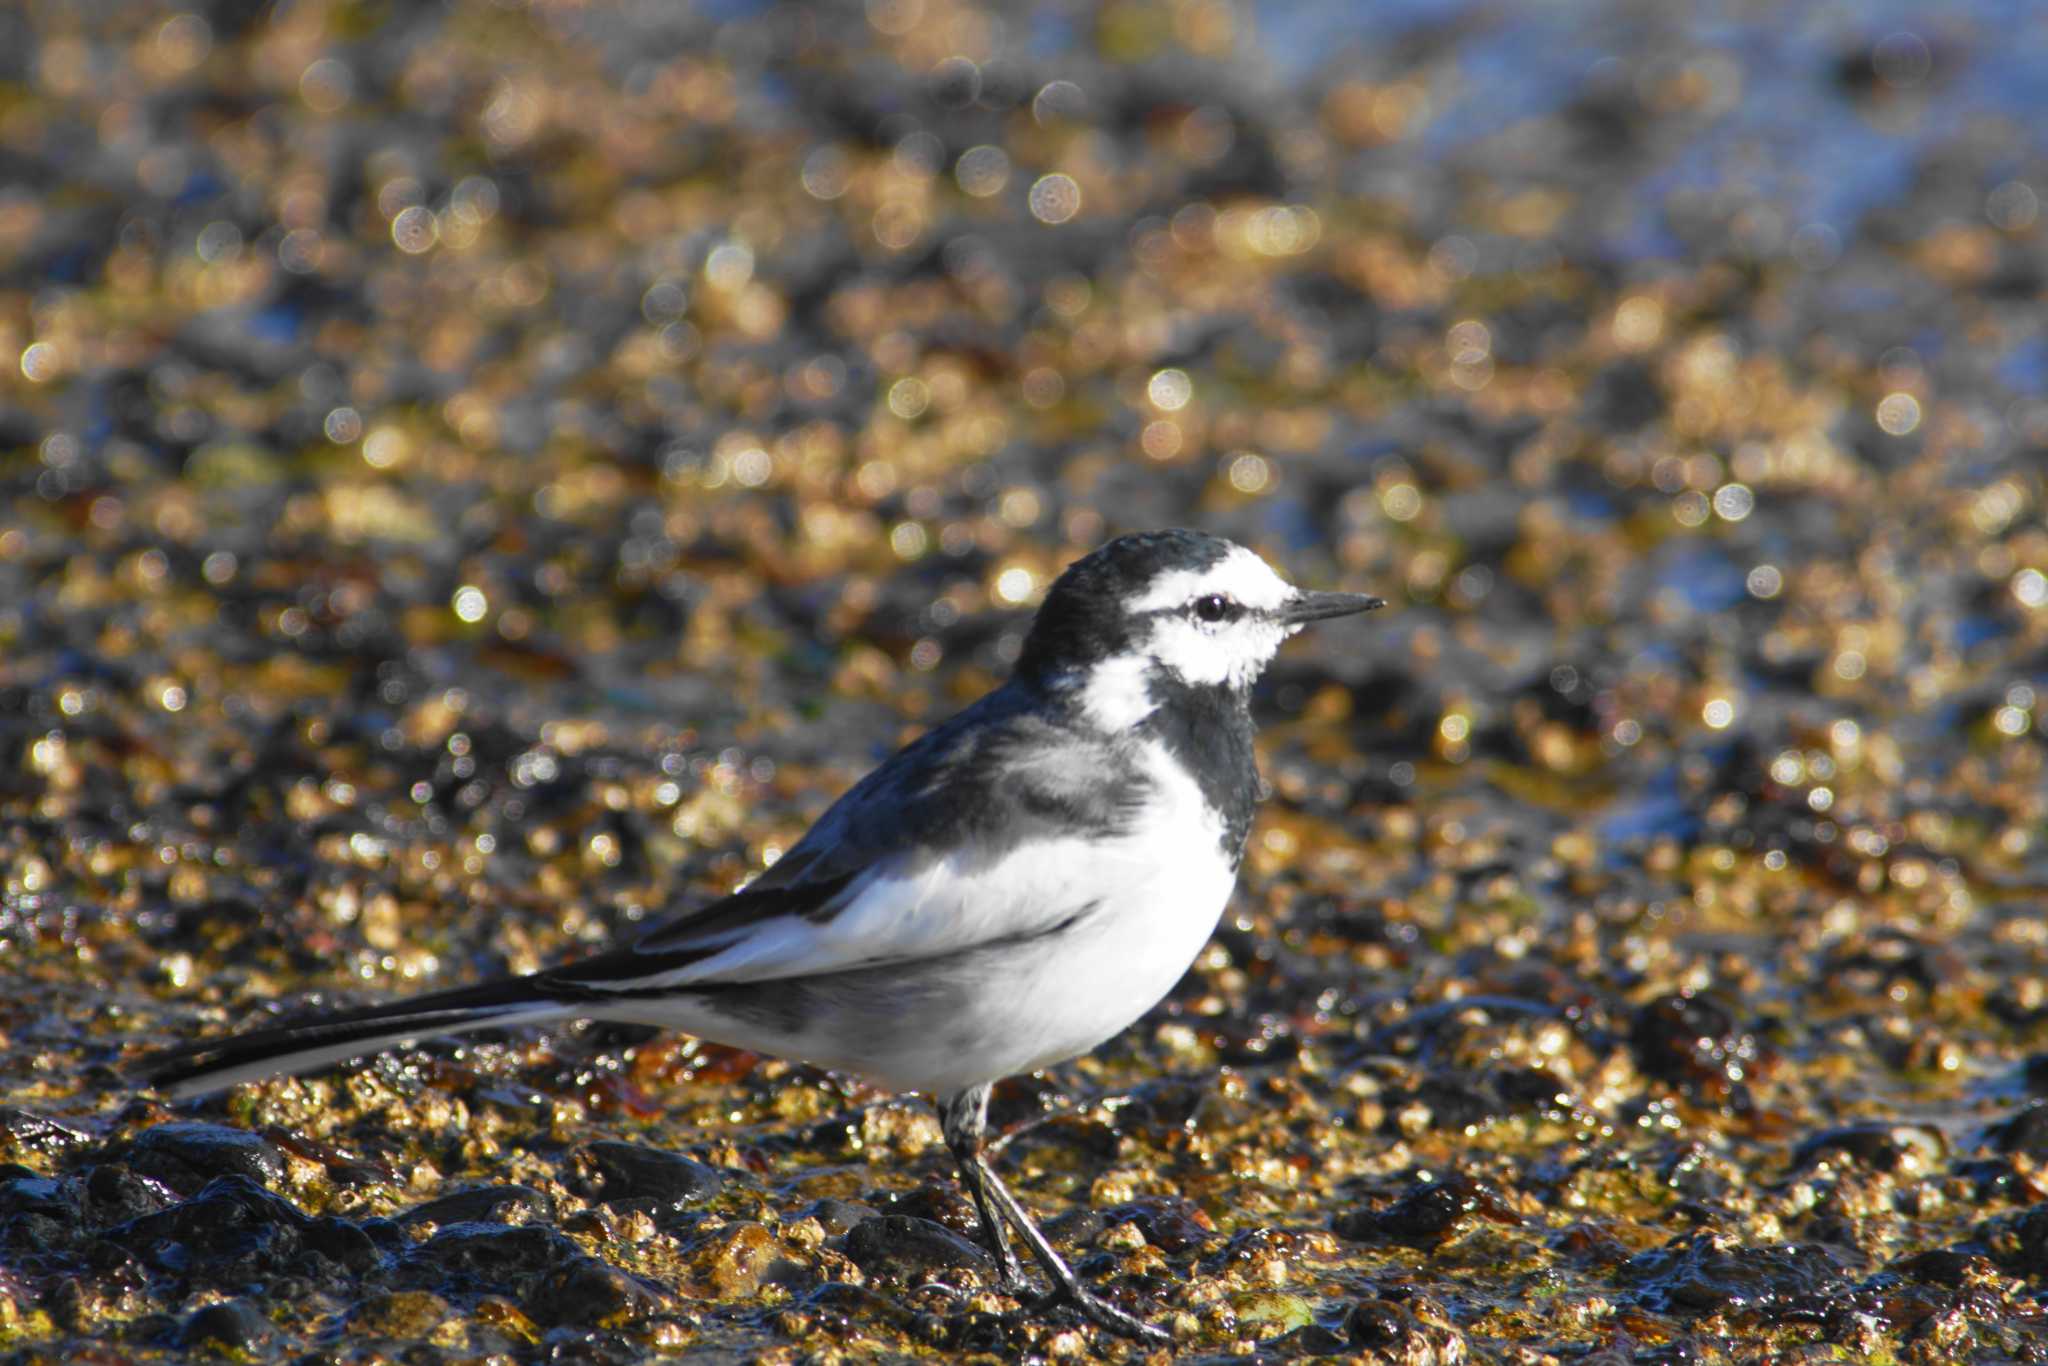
(1214, 607)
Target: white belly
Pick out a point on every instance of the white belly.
(1159, 892)
(1003, 987)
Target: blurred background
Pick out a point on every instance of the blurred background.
(480, 474)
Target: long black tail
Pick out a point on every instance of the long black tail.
(210, 1065)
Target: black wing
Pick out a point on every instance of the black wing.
(1009, 768)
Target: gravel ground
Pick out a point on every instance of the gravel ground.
(475, 477)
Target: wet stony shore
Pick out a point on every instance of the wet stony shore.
(477, 478)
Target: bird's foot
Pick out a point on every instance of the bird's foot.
(1012, 1281)
(1102, 1314)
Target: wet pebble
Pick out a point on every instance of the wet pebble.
(234, 1328)
(1694, 1043)
(2025, 1130)
(1430, 1213)
(736, 1259)
(631, 1176)
(589, 1293)
(26, 1132)
(1878, 1146)
(1173, 1226)
(231, 1227)
(185, 1156)
(837, 1216)
(1704, 1273)
(401, 1314)
(843, 1308)
(486, 1258)
(483, 1204)
(905, 1248)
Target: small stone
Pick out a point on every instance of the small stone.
(186, 1156)
(627, 1175)
(233, 1226)
(1380, 1324)
(903, 1247)
(846, 1307)
(1281, 1311)
(24, 1133)
(234, 1326)
(592, 1294)
(2025, 1130)
(839, 1216)
(489, 1258)
(738, 1258)
(37, 1195)
(483, 1204)
(401, 1314)
(1429, 1214)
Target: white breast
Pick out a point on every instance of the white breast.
(968, 971)
(1157, 894)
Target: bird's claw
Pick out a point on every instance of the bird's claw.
(1102, 1314)
(1018, 1286)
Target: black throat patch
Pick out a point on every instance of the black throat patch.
(1208, 731)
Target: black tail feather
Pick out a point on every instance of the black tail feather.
(209, 1064)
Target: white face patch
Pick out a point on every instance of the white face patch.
(1240, 575)
(1232, 652)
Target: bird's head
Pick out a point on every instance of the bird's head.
(1148, 613)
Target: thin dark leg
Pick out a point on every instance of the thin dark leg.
(964, 1118)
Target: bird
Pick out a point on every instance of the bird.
(1006, 892)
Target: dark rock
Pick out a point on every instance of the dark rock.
(1310, 1340)
(1429, 1214)
(1706, 1272)
(591, 1293)
(38, 1195)
(901, 1247)
(2025, 1130)
(185, 1156)
(1878, 1146)
(119, 1194)
(1624, 397)
(1076, 1227)
(232, 1326)
(24, 1131)
(232, 1227)
(1949, 1266)
(943, 1202)
(844, 1309)
(1692, 1042)
(1456, 1103)
(628, 1176)
(1172, 1226)
(342, 1242)
(979, 1334)
(2020, 1244)
(482, 1205)
(39, 1234)
(839, 1216)
(1380, 1325)
(486, 1258)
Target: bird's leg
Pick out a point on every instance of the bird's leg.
(963, 1117)
(965, 1120)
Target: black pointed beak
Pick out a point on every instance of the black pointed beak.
(1306, 607)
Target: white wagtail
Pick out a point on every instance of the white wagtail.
(1005, 893)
